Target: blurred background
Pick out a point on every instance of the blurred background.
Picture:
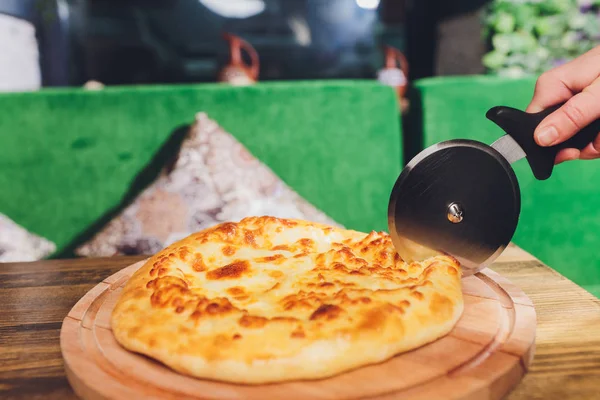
(116, 42)
(72, 157)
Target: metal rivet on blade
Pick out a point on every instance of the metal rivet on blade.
(455, 213)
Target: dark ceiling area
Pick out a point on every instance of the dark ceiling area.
(134, 41)
(177, 41)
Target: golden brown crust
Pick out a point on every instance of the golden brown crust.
(269, 299)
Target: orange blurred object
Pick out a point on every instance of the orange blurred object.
(395, 74)
(237, 72)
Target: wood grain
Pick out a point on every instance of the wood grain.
(483, 357)
(34, 299)
(567, 357)
(566, 364)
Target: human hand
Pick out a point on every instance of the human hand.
(577, 83)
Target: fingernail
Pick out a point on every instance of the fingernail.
(547, 136)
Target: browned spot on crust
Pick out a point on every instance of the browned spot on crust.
(365, 300)
(237, 336)
(198, 264)
(320, 260)
(417, 295)
(281, 247)
(306, 242)
(345, 253)
(236, 290)
(230, 271)
(275, 274)
(326, 312)
(251, 321)
(162, 271)
(179, 309)
(228, 250)
(277, 259)
(288, 223)
(452, 259)
(249, 238)
(404, 303)
(227, 229)
(162, 261)
(373, 319)
(339, 267)
(167, 289)
(298, 334)
(452, 270)
(183, 253)
(326, 284)
(215, 307)
(220, 341)
(441, 305)
(290, 304)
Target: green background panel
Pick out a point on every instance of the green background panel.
(68, 157)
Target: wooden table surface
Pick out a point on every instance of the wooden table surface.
(35, 297)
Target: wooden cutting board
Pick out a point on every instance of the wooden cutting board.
(483, 357)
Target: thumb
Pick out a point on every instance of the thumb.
(578, 112)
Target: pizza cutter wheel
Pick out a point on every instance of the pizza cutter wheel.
(462, 198)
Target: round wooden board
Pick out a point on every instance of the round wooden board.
(483, 357)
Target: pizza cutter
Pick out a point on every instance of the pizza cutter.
(462, 198)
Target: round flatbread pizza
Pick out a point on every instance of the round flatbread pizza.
(269, 300)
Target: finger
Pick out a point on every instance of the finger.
(549, 90)
(580, 72)
(578, 112)
(566, 155)
(561, 83)
(592, 150)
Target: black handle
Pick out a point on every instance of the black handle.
(521, 126)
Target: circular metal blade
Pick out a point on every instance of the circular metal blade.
(460, 198)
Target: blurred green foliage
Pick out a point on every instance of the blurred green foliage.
(532, 36)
